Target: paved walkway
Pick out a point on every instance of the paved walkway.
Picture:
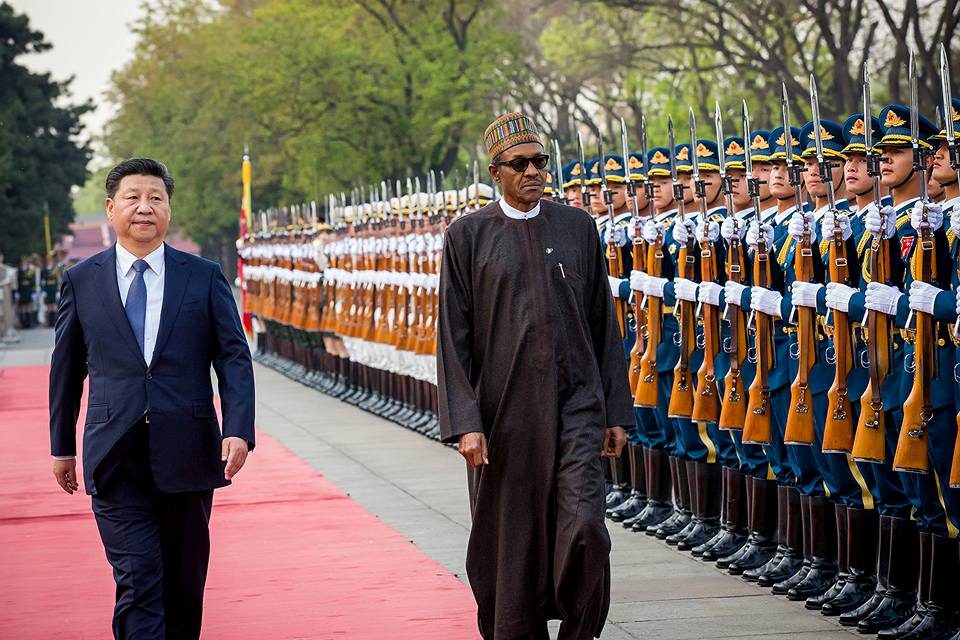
(418, 487)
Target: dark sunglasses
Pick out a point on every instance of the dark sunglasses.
(520, 164)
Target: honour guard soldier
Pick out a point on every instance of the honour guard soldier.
(571, 184)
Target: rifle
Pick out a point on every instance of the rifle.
(955, 164)
(640, 324)
(912, 445)
(799, 428)
(733, 407)
(756, 426)
(614, 259)
(646, 390)
(681, 397)
(869, 441)
(706, 403)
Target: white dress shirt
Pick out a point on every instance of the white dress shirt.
(153, 279)
(516, 214)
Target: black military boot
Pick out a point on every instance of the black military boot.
(852, 618)
(900, 599)
(763, 525)
(619, 491)
(734, 530)
(784, 497)
(637, 499)
(823, 547)
(861, 557)
(806, 544)
(815, 602)
(908, 626)
(709, 488)
(792, 559)
(691, 476)
(659, 506)
(682, 513)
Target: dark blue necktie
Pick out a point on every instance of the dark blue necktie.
(136, 306)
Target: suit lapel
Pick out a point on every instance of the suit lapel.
(175, 280)
(109, 293)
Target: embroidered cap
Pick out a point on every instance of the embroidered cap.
(853, 133)
(658, 161)
(759, 146)
(954, 117)
(509, 130)
(832, 135)
(734, 155)
(895, 120)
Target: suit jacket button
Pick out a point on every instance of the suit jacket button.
(149, 376)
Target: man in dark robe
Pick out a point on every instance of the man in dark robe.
(533, 388)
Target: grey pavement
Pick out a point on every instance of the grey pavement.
(418, 487)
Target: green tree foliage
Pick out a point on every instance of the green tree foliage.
(327, 94)
(40, 157)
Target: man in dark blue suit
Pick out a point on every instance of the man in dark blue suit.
(144, 322)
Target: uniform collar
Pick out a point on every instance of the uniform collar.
(666, 215)
(154, 259)
(906, 206)
(516, 214)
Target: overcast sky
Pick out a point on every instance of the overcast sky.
(90, 38)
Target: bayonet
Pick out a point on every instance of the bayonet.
(873, 158)
(677, 185)
(919, 165)
(631, 187)
(559, 178)
(645, 160)
(794, 169)
(825, 165)
(753, 184)
(947, 99)
(584, 192)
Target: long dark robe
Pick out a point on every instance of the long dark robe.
(529, 353)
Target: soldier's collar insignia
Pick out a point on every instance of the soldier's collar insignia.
(858, 128)
(659, 158)
(702, 151)
(759, 143)
(635, 163)
(672, 248)
(893, 120)
(734, 149)
(684, 153)
(612, 165)
(824, 134)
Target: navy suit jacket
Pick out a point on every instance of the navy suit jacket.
(199, 327)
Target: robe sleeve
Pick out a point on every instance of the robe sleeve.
(459, 410)
(608, 346)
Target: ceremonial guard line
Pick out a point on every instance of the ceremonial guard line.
(789, 304)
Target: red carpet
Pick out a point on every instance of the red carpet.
(293, 556)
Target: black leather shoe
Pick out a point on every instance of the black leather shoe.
(730, 542)
(819, 580)
(781, 588)
(892, 611)
(627, 509)
(652, 514)
(753, 575)
(789, 566)
(856, 591)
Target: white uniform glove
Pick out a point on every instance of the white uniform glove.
(885, 218)
(922, 296)
(685, 289)
(614, 286)
(958, 302)
(934, 216)
(733, 292)
(829, 225)
(651, 230)
(653, 286)
(636, 280)
(797, 221)
(805, 294)
(838, 296)
(766, 301)
(709, 293)
(955, 221)
(882, 298)
(754, 233)
(681, 231)
(710, 232)
(732, 227)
